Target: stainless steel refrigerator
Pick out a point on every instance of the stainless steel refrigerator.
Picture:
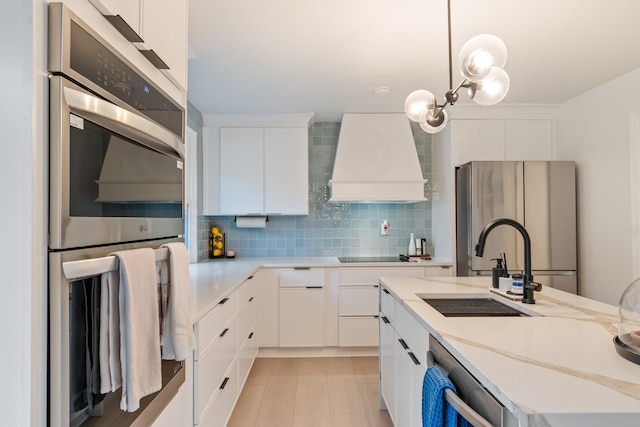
(541, 195)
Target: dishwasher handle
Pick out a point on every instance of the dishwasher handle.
(467, 412)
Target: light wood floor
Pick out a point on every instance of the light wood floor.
(327, 392)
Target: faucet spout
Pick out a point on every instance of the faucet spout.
(529, 286)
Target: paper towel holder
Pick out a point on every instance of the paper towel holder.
(261, 218)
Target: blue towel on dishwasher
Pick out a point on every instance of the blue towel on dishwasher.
(436, 411)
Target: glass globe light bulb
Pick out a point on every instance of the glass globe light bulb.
(480, 55)
(492, 89)
(437, 123)
(417, 102)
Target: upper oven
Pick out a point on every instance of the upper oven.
(116, 144)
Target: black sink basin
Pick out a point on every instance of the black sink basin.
(473, 307)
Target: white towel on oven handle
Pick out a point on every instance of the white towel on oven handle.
(109, 355)
(178, 338)
(139, 327)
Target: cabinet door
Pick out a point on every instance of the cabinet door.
(286, 171)
(171, 415)
(417, 375)
(403, 383)
(477, 140)
(164, 30)
(241, 171)
(387, 366)
(267, 295)
(301, 317)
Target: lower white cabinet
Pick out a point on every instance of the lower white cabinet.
(403, 352)
(302, 317)
(359, 300)
(226, 346)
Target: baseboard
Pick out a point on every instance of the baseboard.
(270, 352)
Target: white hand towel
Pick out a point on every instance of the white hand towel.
(110, 369)
(177, 331)
(139, 326)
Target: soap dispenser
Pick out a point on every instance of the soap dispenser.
(497, 272)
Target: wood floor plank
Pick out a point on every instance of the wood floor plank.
(260, 371)
(246, 411)
(312, 370)
(278, 402)
(347, 408)
(371, 401)
(312, 406)
(340, 366)
(367, 369)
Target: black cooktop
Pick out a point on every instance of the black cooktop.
(347, 259)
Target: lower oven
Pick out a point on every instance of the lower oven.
(472, 401)
(74, 283)
(116, 151)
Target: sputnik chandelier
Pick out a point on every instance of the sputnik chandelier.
(482, 61)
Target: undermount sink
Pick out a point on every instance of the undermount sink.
(484, 306)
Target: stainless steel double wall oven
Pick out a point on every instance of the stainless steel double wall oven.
(115, 182)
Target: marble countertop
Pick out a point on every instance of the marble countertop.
(213, 280)
(559, 369)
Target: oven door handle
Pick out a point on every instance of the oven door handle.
(460, 405)
(125, 122)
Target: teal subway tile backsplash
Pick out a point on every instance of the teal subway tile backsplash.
(331, 229)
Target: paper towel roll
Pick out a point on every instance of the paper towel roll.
(251, 221)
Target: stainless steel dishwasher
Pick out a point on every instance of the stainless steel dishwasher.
(472, 401)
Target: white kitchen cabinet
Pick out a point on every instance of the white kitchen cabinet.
(387, 360)
(267, 294)
(301, 307)
(226, 346)
(286, 171)
(157, 28)
(171, 415)
(358, 303)
(403, 349)
(241, 171)
(256, 171)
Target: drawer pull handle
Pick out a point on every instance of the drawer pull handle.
(385, 291)
(376, 286)
(224, 383)
(302, 268)
(250, 299)
(403, 344)
(384, 319)
(223, 300)
(250, 277)
(224, 332)
(414, 358)
(251, 335)
(314, 287)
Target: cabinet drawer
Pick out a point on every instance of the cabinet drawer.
(387, 304)
(301, 277)
(246, 357)
(414, 334)
(210, 369)
(247, 320)
(301, 317)
(438, 271)
(358, 332)
(358, 301)
(218, 412)
(208, 329)
(247, 291)
(370, 276)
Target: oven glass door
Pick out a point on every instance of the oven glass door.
(115, 176)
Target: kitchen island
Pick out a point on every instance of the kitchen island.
(556, 369)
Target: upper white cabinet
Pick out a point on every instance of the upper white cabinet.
(256, 170)
(501, 140)
(157, 28)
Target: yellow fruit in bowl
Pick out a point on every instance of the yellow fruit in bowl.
(215, 231)
(218, 245)
(217, 252)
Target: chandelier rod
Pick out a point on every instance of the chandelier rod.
(449, 38)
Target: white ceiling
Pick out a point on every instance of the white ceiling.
(328, 56)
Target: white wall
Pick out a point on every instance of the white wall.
(594, 130)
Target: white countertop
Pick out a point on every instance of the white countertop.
(560, 369)
(213, 280)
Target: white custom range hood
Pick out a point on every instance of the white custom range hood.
(376, 161)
